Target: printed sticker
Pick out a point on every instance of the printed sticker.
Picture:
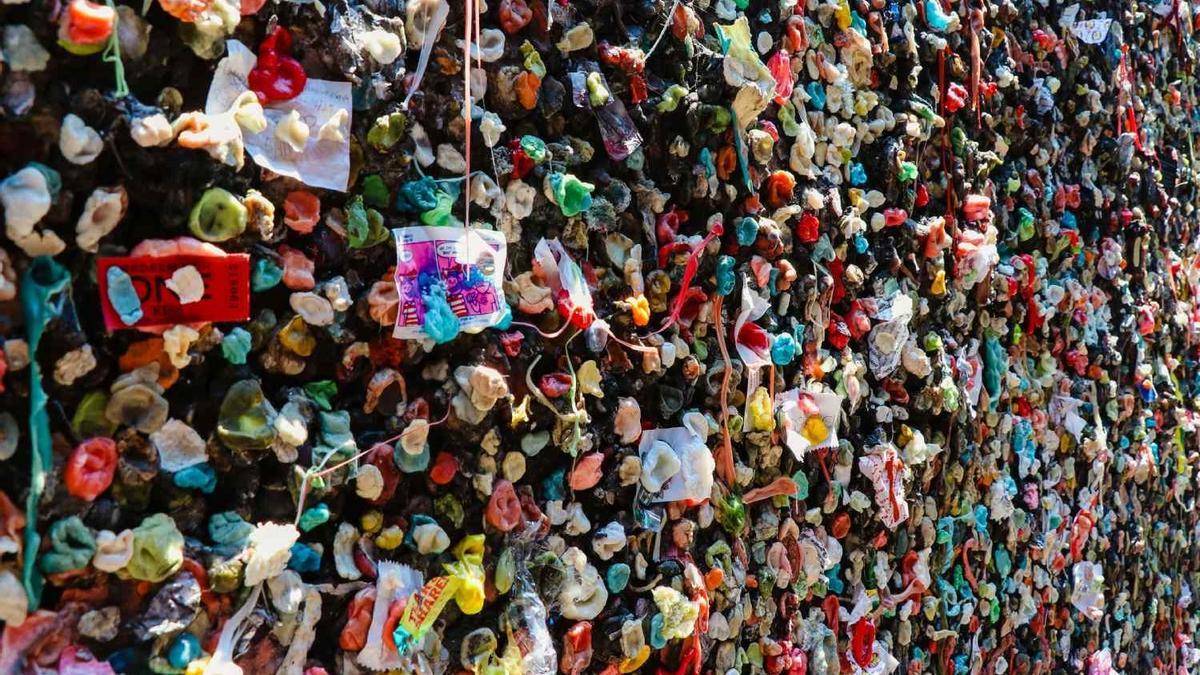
(226, 289)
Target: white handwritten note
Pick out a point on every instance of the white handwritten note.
(1092, 31)
(323, 163)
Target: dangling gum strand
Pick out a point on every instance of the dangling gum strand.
(576, 434)
(572, 393)
(821, 455)
(636, 348)
(112, 54)
(567, 324)
(471, 21)
(780, 486)
(976, 62)
(548, 336)
(431, 30)
(470, 38)
(320, 470)
(725, 455)
(968, 546)
(689, 272)
(663, 32)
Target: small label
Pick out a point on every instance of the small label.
(226, 289)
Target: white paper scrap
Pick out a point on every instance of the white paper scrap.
(324, 163)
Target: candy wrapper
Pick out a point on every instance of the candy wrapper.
(468, 264)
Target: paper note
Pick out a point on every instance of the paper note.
(696, 464)
(323, 163)
(1092, 31)
(468, 262)
(1068, 16)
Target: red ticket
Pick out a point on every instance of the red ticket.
(226, 289)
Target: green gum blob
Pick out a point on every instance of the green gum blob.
(731, 513)
(787, 120)
(364, 227)
(450, 508)
(671, 98)
(375, 191)
(244, 421)
(598, 94)
(321, 392)
(535, 148)
(387, 131)
(572, 195)
(89, 419)
(506, 571)
(157, 549)
(218, 216)
(532, 60)
(441, 214)
(226, 576)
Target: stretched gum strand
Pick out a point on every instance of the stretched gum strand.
(548, 336)
(783, 485)
(689, 272)
(968, 546)
(322, 471)
(725, 455)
